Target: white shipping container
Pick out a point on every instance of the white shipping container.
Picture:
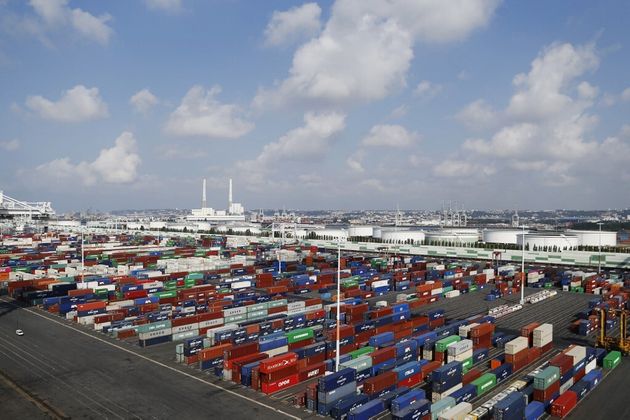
(235, 311)
(379, 283)
(437, 291)
(489, 272)
(462, 356)
(452, 294)
(590, 366)
(435, 396)
(184, 335)
(296, 306)
(152, 285)
(277, 351)
(543, 329)
(565, 386)
(240, 284)
(459, 412)
(100, 326)
(313, 308)
(154, 334)
(459, 347)
(211, 323)
(516, 345)
(184, 328)
(86, 320)
(578, 353)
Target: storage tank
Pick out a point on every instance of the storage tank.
(592, 237)
(377, 232)
(456, 235)
(549, 239)
(331, 233)
(395, 236)
(502, 236)
(360, 230)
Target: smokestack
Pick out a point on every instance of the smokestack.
(230, 195)
(204, 204)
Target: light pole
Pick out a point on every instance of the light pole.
(523, 268)
(599, 256)
(338, 303)
(82, 254)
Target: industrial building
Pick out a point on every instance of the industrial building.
(234, 213)
(11, 208)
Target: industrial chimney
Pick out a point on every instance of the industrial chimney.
(204, 204)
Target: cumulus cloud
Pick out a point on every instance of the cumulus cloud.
(366, 48)
(460, 168)
(399, 112)
(75, 105)
(427, 90)
(293, 25)
(143, 100)
(170, 6)
(389, 136)
(545, 129)
(201, 114)
(56, 14)
(311, 141)
(115, 165)
(477, 115)
(10, 145)
(542, 92)
(355, 163)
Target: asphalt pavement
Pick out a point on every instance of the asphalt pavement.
(78, 373)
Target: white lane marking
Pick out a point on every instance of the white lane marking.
(160, 363)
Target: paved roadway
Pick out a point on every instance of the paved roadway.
(73, 373)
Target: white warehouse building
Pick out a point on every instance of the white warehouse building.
(360, 230)
(455, 235)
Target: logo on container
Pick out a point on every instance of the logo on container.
(451, 372)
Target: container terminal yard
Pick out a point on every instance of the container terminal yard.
(136, 326)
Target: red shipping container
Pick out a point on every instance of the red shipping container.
(482, 329)
(383, 355)
(300, 344)
(270, 388)
(545, 395)
(240, 350)
(438, 356)
(563, 405)
(91, 305)
(562, 361)
(278, 362)
(312, 372)
(429, 367)
(470, 376)
(578, 375)
(411, 381)
(379, 382)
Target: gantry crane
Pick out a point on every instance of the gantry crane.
(621, 343)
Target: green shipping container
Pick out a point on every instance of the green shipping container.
(612, 359)
(257, 314)
(546, 377)
(467, 364)
(360, 352)
(472, 288)
(257, 307)
(235, 318)
(442, 344)
(276, 303)
(154, 326)
(300, 335)
(166, 294)
(485, 383)
(442, 405)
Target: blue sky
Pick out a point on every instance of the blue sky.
(355, 104)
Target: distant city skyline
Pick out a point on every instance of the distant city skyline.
(337, 104)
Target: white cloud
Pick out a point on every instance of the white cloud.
(625, 95)
(170, 6)
(545, 129)
(311, 141)
(587, 91)
(477, 115)
(427, 90)
(200, 114)
(366, 48)
(542, 92)
(116, 165)
(451, 168)
(354, 161)
(293, 25)
(389, 136)
(509, 141)
(10, 145)
(75, 105)
(399, 112)
(55, 14)
(92, 27)
(143, 101)
(625, 130)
